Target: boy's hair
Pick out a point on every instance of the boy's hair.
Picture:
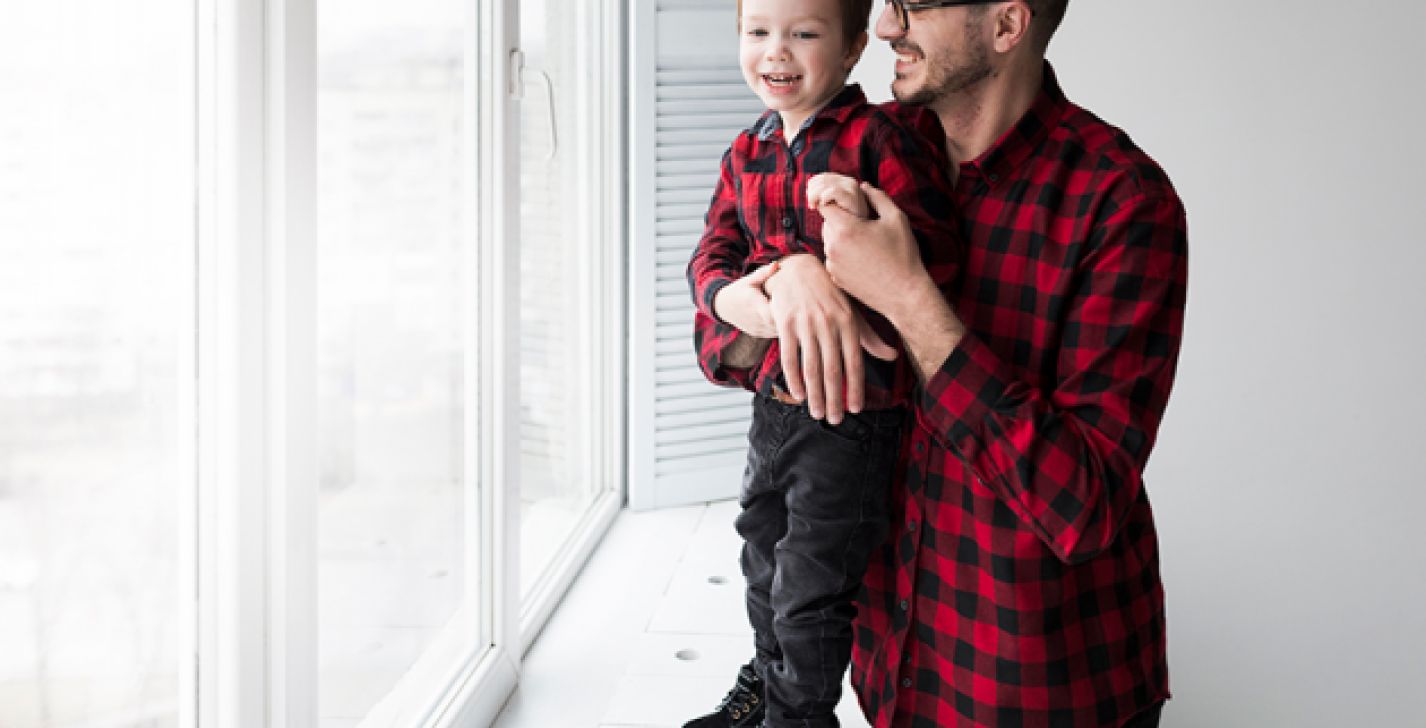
(854, 19)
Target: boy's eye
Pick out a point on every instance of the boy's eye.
(806, 35)
(757, 32)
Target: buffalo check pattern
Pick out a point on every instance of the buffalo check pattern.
(759, 214)
(1020, 587)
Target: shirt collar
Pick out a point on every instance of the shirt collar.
(838, 110)
(1021, 140)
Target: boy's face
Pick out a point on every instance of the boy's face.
(793, 55)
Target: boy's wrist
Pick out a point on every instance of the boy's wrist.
(716, 289)
(728, 307)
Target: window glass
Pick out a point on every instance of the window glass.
(97, 333)
(393, 192)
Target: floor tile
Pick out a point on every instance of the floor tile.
(695, 605)
(663, 701)
(690, 655)
(668, 640)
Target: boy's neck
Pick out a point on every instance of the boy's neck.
(792, 121)
(792, 124)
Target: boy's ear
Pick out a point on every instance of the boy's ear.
(854, 52)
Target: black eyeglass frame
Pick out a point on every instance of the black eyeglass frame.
(904, 7)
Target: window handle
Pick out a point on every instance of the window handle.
(550, 105)
(513, 86)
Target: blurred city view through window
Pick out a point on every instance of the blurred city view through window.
(97, 333)
(393, 184)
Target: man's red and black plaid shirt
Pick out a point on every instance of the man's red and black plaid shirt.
(759, 214)
(1020, 586)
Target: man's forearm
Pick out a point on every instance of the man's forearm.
(929, 329)
(745, 351)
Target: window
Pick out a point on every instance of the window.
(267, 385)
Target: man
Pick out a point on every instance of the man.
(1020, 586)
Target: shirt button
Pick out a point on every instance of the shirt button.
(787, 223)
(920, 447)
(905, 682)
(905, 605)
(911, 525)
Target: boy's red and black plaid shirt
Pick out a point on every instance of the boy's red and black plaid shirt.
(759, 214)
(1020, 585)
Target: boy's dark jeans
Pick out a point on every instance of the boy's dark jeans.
(814, 506)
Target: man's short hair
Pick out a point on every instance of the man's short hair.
(855, 14)
(1048, 14)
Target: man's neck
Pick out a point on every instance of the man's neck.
(976, 117)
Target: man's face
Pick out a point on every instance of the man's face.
(944, 52)
(792, 53)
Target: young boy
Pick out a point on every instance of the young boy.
(814, 493)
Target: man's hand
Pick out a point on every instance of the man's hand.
(815, 319)
(878, 262)
(874, 260)
(744, 304)
(830, 188)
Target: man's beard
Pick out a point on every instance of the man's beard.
(945, 76)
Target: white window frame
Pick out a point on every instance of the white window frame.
(256, 581)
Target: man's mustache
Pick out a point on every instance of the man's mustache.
(906, 46)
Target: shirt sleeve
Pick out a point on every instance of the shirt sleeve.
(1069, 461)
(722, 252)
(912, 171)
(711, 338)
(718, 259)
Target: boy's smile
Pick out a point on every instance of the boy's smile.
(781, 83)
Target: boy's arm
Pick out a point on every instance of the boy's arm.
(722, 252)
(726, 355)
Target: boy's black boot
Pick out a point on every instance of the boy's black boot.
(742, 707)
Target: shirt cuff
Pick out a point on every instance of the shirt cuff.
(710, 291)
(968, 387)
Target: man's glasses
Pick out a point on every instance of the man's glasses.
(904, 7)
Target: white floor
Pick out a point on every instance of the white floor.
(650, 635)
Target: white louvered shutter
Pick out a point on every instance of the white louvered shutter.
(687, 437)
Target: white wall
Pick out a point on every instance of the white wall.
(1288, 482)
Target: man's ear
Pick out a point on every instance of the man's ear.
(1012, 26)
(854, 52)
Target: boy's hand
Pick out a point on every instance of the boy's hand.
(743, 303)
(830, 188)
